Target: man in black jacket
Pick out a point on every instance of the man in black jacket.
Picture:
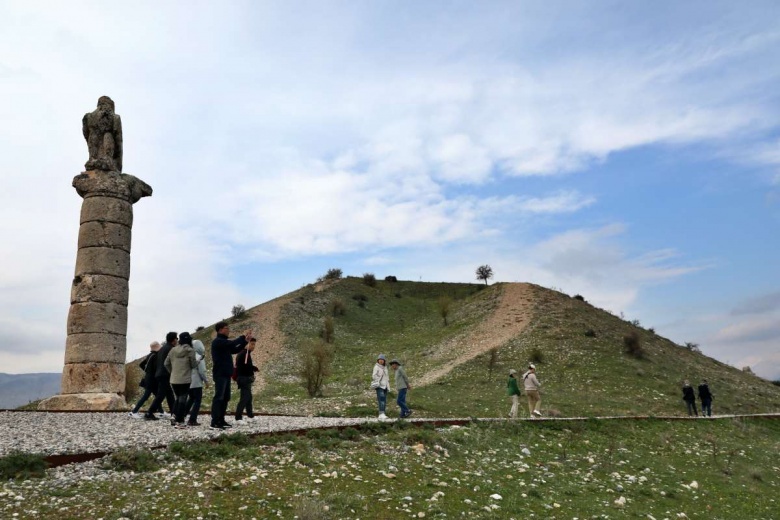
(163, 378)
(149, 366)
(222, 350)
(706, 398)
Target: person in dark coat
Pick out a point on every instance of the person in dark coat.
(706, 398)
(163, 377)
(149, 366)
(245, 372)
(690, 398)
(222, 351)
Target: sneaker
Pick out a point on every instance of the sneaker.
(382, 417)
(150, 417)
(239, 419)
(180, 426)
(226, 426)
(134, 415)
(173, 422)
(193, 423)
(216, 427)
(164, 415)
(537, 413)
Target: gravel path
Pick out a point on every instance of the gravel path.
(71, 433)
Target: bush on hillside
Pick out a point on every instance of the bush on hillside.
(199, 328)
(337, 308)
(633, 345)
(237, 311)
(444, 305)
(333, 274)
(369, 279)
(693, 347)
(536, 355)
(391, 278)
(361, 299)
(315, 366)
(579, 297)
(327, 332)
(590, 333)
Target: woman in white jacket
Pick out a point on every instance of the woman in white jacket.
(199, 379)
(380, 381)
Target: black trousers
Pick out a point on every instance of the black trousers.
(164, 391)
(220, 401)
(245, 401)
(180, 408)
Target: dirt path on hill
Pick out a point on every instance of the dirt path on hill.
(511, 316)
(264, 321)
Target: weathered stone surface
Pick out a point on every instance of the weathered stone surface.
(104, 318)
(95, 183)
(104, 234)
(102, 128)
(99, 288)
(107, 209)
(103, 260)
(85, 378)
(101, 401)
(95, 348)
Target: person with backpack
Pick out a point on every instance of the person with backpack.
(690, 398)
(706, 398)
(163, 378)
(179, 363)
(149, 383)
(513, 391)
(531, 386)
(245, 376)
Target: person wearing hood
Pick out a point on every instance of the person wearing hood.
(380, 381)
(531, 386)
(179, 363)
(706, 398)
(199, 380)
(513, 391)
(690, 398)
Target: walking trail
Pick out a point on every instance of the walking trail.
(510, 317)
(264, 321)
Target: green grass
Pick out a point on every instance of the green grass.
(573, 470)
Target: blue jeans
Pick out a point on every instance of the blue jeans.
(381, 398)
(193, 403)
(402, 402)
(706, 407)
(221, 399)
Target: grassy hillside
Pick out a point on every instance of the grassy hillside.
(589, 469)
(582, 363)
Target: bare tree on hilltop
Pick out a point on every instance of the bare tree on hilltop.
(484, 272)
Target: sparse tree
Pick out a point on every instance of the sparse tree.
(316, 359)
(237, 311)
(369, 279)
(333, 274)
(444, 305)
(633, 345)
(693, 347)
(327, 331)
(484, 272)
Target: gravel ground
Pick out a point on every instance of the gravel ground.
(68, 433)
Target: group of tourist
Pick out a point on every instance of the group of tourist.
(704, 395)
(531, 386)
(380, 382)
(175, 372)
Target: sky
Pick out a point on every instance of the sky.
(625, 151)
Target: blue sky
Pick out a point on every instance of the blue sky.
(626, 151)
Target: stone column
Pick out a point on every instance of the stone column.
(94, 373)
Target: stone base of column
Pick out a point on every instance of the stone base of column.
(104, 402)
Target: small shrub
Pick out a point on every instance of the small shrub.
(651, 330)
(327, 332)
(360, 297)
(398, 295)
(776, 382)
(199, 328)
(590, 333)
(333, 274)
(633, 345)
(22, 465)
(350, 434)
(391, 279)
(337, 308)
(237, 311)
(579, 297)
(139, 461)
(635, 323)
(536, 355)
(306, 508)
(693, 347)
(756, 475)
(444, 306)
(369, 279)
(315, 366)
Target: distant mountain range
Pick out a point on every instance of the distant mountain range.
(19, 389)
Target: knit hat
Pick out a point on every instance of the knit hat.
(531, 366)
(382, 357)
(512, 372)
(395, 362)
